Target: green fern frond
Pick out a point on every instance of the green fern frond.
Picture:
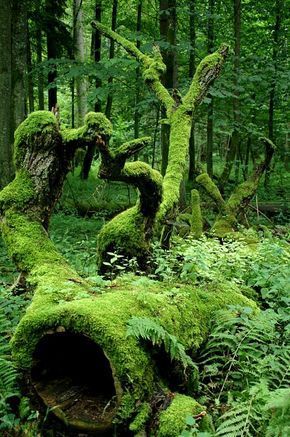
(148, 330)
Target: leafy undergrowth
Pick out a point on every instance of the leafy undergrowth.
(243, 368)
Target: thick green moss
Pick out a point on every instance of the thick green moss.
(36, 132)
(124, 234)
(172, 421)
(19, 192)
(178, 149)
(27, 241)
(141, 418)
(212, 190)
(95, 124)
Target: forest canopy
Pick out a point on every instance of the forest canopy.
(144, 218)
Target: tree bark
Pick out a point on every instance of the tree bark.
(40, 80)
(168, 28)
(29, 73)
(19, 60)
(6, 124)
(138, 72)
(192, 38)
(79, 55)
(210, 49)
(235, 139)
(97, 40)
(109, 104)
(52, 53)
(276, 35)
(96, 36)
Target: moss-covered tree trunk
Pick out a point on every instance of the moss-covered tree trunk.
(72, 344)
(179, 112)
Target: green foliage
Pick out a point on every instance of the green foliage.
(148, 330)
(15, 412)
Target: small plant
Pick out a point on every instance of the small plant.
(148, 330)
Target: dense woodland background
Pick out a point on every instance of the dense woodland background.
(53, 59)
(52, 55)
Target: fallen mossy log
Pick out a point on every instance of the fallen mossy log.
(72, 345)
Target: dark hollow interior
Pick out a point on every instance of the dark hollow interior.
(71, 371)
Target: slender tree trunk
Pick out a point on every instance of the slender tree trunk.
(40, 81)
(79, 55)
(51, 54)
(138, 72)
(192, 37)
(276, 33)
(97, 40)
(168, 25)
(29, 71)
(6, 129)
(19, 60)
(96, 35)
(235, 140)
(210, 49)
(111, 56)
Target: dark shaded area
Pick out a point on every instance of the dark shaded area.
(72, 374)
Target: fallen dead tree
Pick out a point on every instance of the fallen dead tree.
(72, 345)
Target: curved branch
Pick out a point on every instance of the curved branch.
(212, 190)
(152, 67)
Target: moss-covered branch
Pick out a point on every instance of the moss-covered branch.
(212, 190)
(130, 232)
(179, 116)
(227, 220)
(207, 71)
(180, 123)
(152, 66)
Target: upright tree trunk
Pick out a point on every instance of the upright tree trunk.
(96, 40)
(29, 71)
(111, 56)
(79, 55)
(168, 24)
(97, 48)
(40, 81)
(19, 60)
(138, 73)
(276, 33)
(6, 129)
(51, 54)
(192, 38)
(210, 48)
(235, 140)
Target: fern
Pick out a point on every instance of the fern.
(8, 374)
(148, 330)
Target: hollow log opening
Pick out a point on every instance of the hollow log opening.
(74, 378)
